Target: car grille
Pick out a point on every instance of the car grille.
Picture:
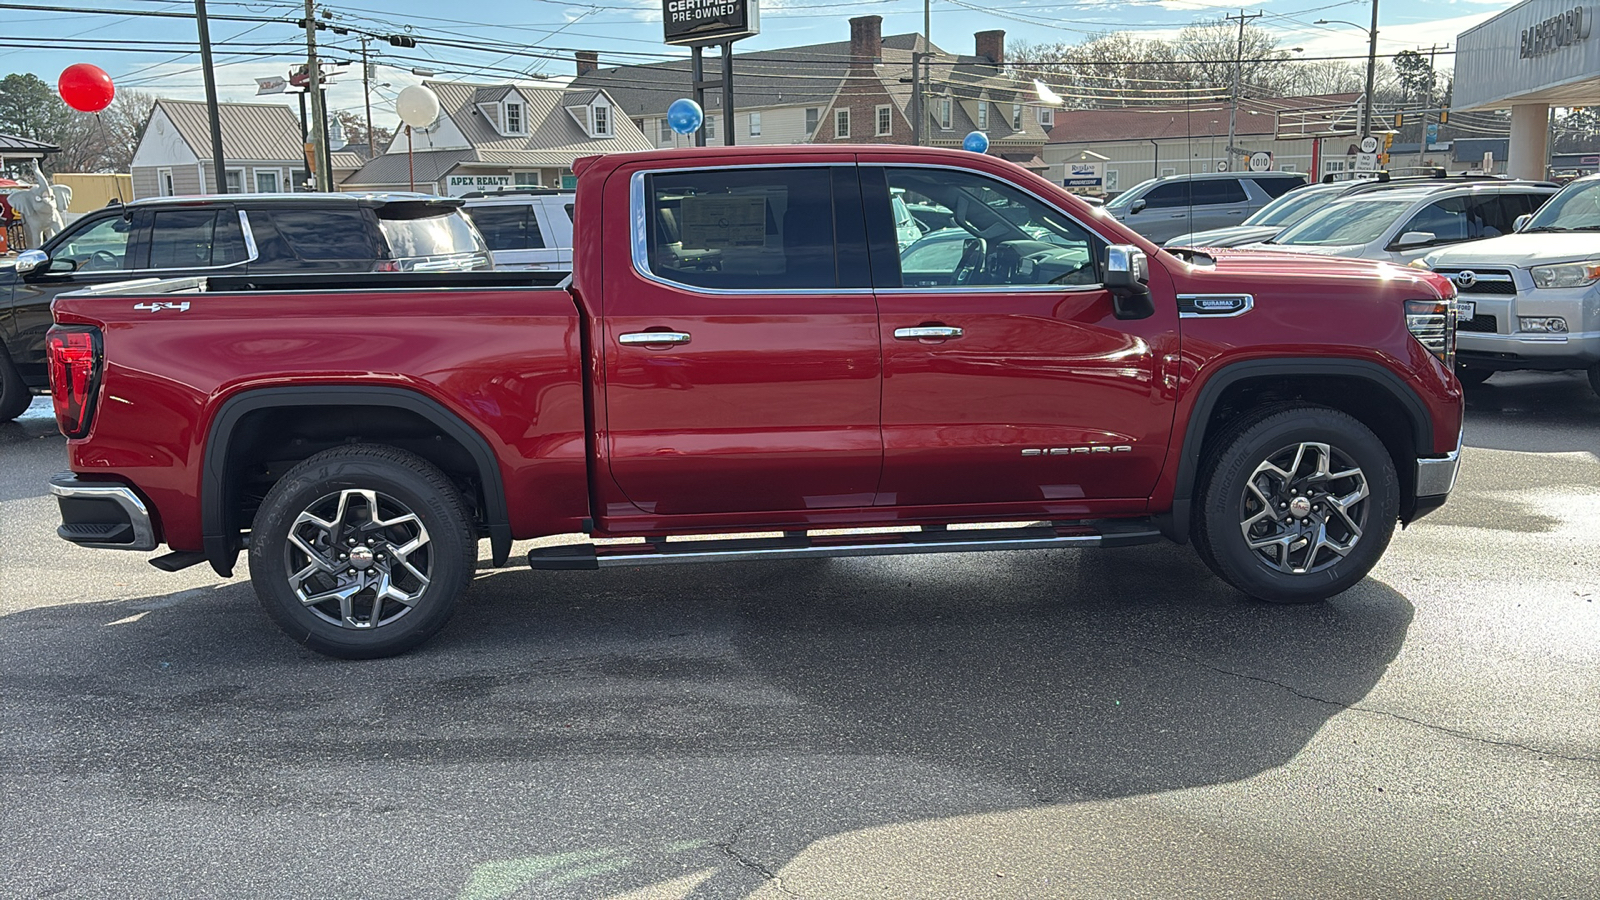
(1483, 324)
(1483, 281)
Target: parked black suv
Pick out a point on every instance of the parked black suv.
(246, 234)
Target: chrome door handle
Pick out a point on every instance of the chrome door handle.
(641, 338)
(927, 332)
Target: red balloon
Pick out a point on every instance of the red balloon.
(86, 88)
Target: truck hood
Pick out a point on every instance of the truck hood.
(1521, 250)
(1311, 250)
(1236, 236)
(1286, 270)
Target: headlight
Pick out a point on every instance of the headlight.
(1420, 263)
(1542, 324)
(1570, 275)
(1433, 324)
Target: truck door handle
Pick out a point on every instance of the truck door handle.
(928, 333)
(643, 338)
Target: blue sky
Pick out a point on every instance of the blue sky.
(630, 31)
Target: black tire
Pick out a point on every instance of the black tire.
(14, 395)
(417, 507)
(1470, 377)
(1594, 377)
(1294, 562)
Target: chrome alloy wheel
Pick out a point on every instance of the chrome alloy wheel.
(1304, 508)
(358, 558)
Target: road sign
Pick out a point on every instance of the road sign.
(1369, 144)
(1222, 165)
(1367, 162)
(1261, 161)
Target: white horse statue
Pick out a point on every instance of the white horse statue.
(41, 207)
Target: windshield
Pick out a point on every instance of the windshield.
(1127, 197)
(1576, 208)
(432, 236)
(1291, 208)
(1355, 222)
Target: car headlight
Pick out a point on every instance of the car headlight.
(1542, 324)
(1420, 263)
(1569, 275)
(1433, 324)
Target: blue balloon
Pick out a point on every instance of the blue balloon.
(685, 116)
(976, 142)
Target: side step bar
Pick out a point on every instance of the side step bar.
(800, 545)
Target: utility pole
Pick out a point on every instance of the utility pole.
(1238, 65)
(213, 112)
(366, 93)
(319, 119)
(1372, 69)
(1427, 105)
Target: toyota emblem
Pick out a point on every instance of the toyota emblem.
(1465, 279)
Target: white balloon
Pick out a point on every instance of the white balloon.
(417, 106)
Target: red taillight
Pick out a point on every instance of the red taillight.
(74, 363)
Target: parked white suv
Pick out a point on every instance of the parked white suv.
(1531, 300)
(526, 228)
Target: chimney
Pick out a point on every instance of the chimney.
(866, 40)
(588, 61)
(992, 46)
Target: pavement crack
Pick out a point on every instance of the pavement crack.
(747, 862)
(1355, 707)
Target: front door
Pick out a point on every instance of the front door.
(740, 344)
(1006, 379)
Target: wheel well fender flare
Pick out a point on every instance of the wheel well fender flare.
(1176, 524)
(220, 538)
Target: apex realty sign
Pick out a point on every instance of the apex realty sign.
(689, 22)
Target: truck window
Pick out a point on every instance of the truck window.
(742, 229)
(101, 247)
(999, 235)
(194, 238)
(325, 233)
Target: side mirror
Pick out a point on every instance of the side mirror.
(1522, 222)
(1415, 239)
(1137, 206)
(30, 261)
(1127, 277)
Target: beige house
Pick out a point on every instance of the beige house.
(1131, 144)
(261, 149)
(497, 136)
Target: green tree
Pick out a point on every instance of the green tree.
(1416, 75)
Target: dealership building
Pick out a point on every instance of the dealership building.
(1534, 56)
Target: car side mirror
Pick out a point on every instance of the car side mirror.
(1127, 277)
(30, 261)
(1522, 222)
(1415, 239)
(1136, 206)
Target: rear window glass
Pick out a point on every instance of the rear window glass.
(507, 227)
(1218, 190)
(1277, 187)
(324, 233)
(433, 236)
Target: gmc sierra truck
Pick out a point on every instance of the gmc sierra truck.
(744, 347)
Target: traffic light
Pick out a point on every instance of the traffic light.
(1388, 140)
(402, 40)
(1399, 120)
(1444, 117)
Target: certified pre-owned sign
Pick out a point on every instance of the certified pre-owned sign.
(709, 21)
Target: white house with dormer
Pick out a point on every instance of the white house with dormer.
(499, 136)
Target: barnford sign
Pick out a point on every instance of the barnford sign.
(689, 22)
(1556, 32)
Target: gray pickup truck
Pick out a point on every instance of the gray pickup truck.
(1531, 300)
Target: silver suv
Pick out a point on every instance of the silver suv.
(1163, 208)
(1531, 300)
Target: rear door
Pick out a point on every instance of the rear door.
(1220, 203)
(740, 344)
(1008, 383)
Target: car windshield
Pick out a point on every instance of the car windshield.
(1576, 208)
(1355, 222)
(431, 236)
(1291, 208)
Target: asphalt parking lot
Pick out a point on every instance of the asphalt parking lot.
(1025, 724)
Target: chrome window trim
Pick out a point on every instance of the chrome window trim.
(251, 252)
(1249, 304)
(641, 231)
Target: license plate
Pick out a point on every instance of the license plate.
(1465, 309)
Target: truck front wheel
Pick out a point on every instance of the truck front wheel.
(1297, 505)
(360, 551)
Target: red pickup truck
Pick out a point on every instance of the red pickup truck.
(758, 340)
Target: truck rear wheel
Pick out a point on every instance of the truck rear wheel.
(14, 395)
(1298, 505)
(360, 552)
